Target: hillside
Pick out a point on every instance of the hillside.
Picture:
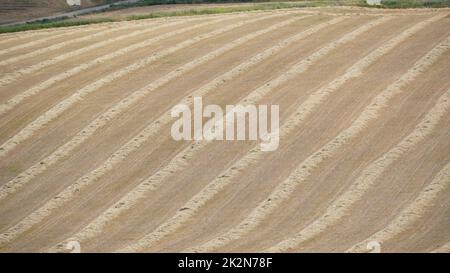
(88, 153)
(19, 10)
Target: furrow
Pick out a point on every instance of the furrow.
(79, 95)
(15, 38)
(15, 75)
(164, 119)
(40, 41)
(9, 77)
(122, 106)
(338, 209)
(14, 101)
(11, 37)
(317, 98)
(214, 187)
(426, 199)
(67, 194)
(284, 190)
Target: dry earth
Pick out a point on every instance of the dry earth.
(86, 152)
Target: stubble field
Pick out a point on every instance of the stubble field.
(86, 152)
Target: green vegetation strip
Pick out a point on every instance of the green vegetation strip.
(219, 10)
(402, 4)
(52, 24)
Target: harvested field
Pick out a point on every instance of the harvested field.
(86, 152)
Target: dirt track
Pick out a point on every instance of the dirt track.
(86, 152)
